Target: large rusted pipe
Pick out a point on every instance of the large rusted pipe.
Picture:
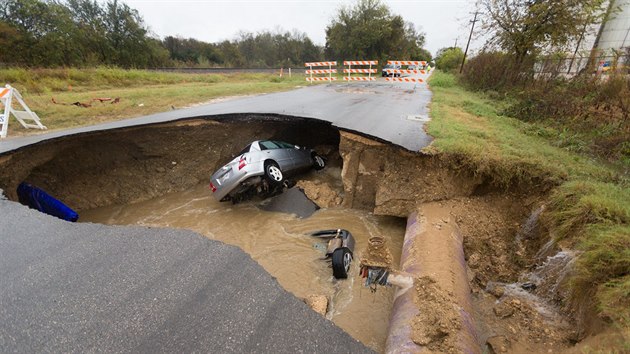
(433, 255)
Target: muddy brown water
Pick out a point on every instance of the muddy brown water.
(280, 243)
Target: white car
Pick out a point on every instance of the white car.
(260, 168)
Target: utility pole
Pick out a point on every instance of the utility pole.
(577, 47)
(467, 44)
(455, 46)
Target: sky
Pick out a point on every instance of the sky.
(215, 20)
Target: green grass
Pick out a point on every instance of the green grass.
(468, 126)
(589, 203)
(141, 92)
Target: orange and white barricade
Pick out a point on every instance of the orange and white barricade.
(406, 71)
(404, 79)
(7, 94)
(310, 71)
(349, 70)
(407, 62)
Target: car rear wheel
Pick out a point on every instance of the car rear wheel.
(318, 162)
(341, 259)
(273, 173)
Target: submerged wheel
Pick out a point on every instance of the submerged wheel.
(341, 259)
(318, 162)
(273, 173)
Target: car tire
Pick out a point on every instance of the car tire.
(273, 173)
(318, 162)
(341, 259)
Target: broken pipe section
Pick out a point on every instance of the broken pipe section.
(433, 254)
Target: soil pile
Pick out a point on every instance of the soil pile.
(438, 322)
(321, 193)
(319, 303)
(377, 253)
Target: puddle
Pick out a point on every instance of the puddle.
(279, 243)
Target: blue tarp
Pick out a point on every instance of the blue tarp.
(38, 199)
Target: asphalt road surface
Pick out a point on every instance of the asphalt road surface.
(92, 288)
(394, 112)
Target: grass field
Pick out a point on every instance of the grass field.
(589, 204)
(140, 92)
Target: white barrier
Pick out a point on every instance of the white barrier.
(328, 71)
(401, 71)
(6, 97)
(406, 62)
(403, 79)
(368, 71)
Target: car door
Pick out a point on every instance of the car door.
(293, 152)
(301, 157)
(271, 150)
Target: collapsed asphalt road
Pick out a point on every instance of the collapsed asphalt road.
(394, 112)
(88, 287)
(77, 287)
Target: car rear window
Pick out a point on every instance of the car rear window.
(268, 145)
(246, 149)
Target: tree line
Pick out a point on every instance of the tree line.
(87, 33)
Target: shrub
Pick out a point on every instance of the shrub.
(449, 59)
(492, 71)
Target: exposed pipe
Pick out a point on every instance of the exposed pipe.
(433, 247)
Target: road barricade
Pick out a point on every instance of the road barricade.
(404, 79)
(310, 71)
(349, 70)
(26, 117)
(406, 62)
(406, 71)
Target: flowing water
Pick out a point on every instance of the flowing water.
(280, 243)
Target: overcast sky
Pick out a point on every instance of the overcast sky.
(217, 20)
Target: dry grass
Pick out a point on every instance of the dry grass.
(140, 92)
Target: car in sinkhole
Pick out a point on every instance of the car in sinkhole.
(261, 169)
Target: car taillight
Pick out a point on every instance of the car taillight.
(214, 189)
(242, 163)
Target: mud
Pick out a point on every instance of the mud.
(281, 244)
(125, 168)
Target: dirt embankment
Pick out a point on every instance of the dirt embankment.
(134, 164)
(387, 180)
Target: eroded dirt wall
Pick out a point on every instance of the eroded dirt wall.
(392, 181)
(129, 165)
(388, 180)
